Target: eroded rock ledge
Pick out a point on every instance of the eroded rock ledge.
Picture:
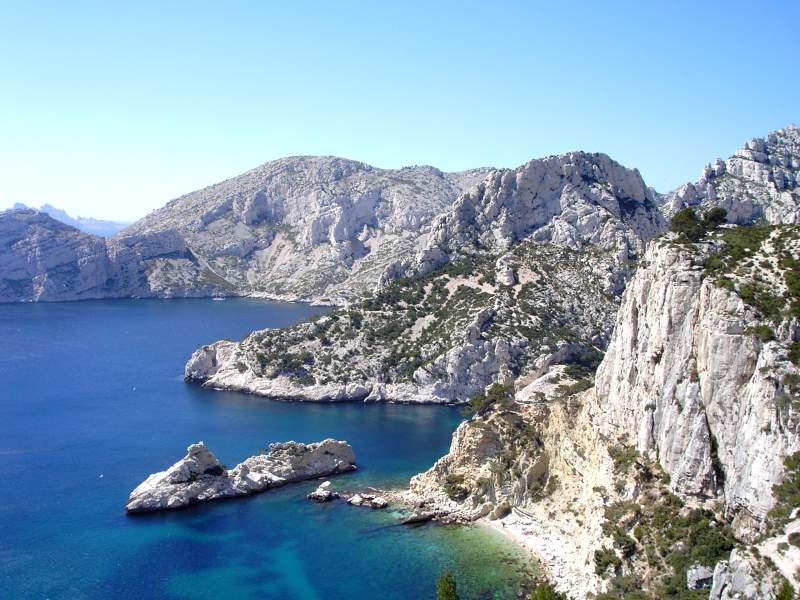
(199, 476)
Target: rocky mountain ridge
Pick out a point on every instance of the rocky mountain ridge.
(99, 227)
(330, 230)
(310, 227)
(760, 181)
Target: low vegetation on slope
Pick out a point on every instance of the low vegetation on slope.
(537, 298)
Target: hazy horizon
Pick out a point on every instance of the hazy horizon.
(111, 111)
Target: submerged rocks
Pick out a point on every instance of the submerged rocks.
(323, 493)
(199, 476)
(368, 500)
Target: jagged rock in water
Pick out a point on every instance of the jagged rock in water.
(323, 493)
(368, 500)
(760, 181)
(199, 476)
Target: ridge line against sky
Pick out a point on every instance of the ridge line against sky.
(111, 111)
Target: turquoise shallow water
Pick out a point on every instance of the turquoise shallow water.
(92, 401)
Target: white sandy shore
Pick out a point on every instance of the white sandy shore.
(558, 555)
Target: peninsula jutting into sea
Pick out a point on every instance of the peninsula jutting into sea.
(564, 378)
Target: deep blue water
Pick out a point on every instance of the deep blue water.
(93, 401)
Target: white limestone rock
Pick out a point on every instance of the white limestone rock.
(760, 181)
(570, 200)
(368, 500)
(323, 493)
(309, 227)
(199, 476)
(699, 576)
(687, 384)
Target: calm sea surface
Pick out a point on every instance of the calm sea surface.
(92, 401)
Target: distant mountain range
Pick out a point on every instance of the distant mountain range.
(87, 224)
(330, 230)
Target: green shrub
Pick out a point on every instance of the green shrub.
(496, 394)
(786, 493)
(605, 558)
(545, 591)
(786, 592)
(687, 224)
(762, 332)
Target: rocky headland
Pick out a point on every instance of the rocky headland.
(673, 458)
(200, 477)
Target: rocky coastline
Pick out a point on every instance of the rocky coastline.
(200, 477)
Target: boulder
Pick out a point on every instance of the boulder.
(323, 493)
(699, 576)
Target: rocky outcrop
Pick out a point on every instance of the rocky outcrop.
(570, 200)
(760, 181)
(199, 476)
(368, 500)
(42, 259)
(688, 382)
(323, 493)
(760, 572)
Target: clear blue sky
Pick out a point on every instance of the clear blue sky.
(109, 110)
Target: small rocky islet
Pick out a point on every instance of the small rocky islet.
(200, 477)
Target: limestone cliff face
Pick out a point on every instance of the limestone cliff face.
(760, 181)
(687, 382)
(303, 228)
(42, 259)
(570, 200)
(313, 227)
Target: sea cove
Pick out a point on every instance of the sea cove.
(93, 401)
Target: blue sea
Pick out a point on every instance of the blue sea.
(93, 401)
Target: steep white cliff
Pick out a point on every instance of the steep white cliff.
(650, 478)
(687, 381)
